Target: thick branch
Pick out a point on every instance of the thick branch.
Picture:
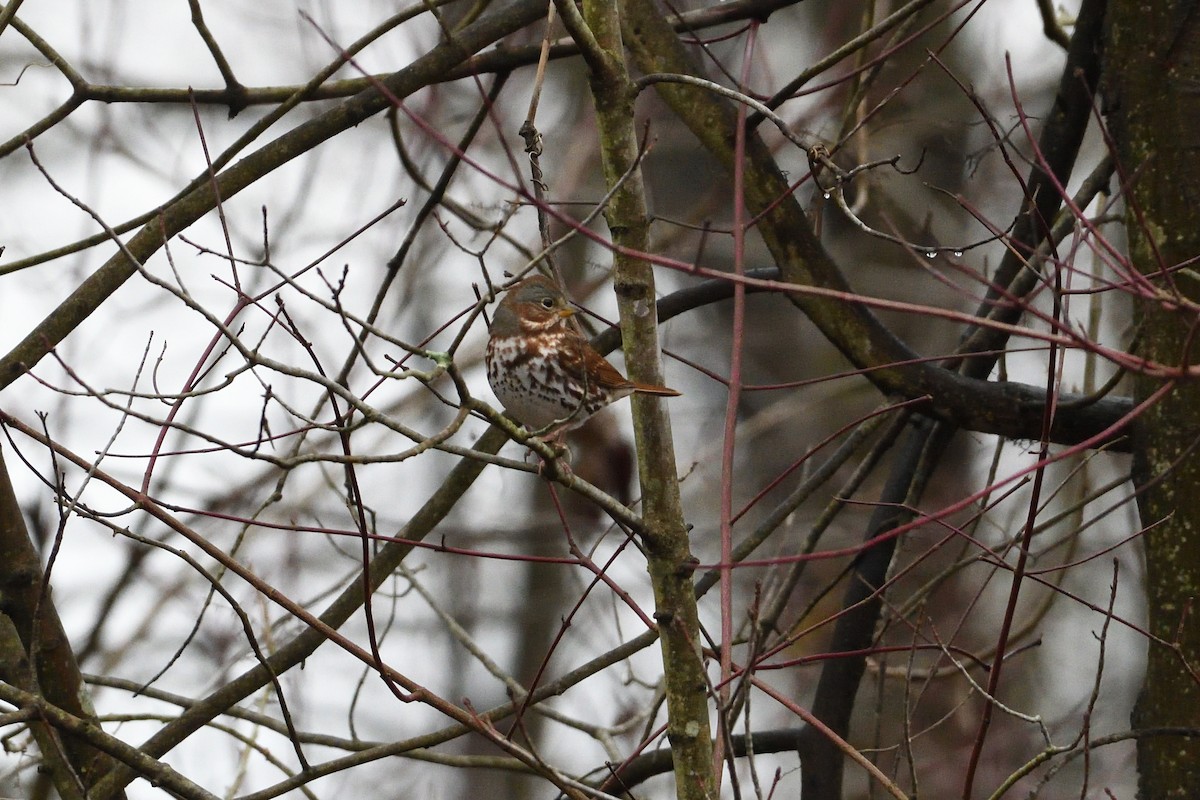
(888, 363)
(497, 23)
(28, 604)
(668, 551)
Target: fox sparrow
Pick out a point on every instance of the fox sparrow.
(544, 372)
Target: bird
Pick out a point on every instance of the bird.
(543, 370)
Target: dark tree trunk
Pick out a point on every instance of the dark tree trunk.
(1153, 97)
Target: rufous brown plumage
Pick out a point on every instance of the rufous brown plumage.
(542, 369)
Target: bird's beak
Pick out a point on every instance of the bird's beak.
(566, 312)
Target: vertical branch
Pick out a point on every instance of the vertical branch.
(733, 401)
(834, 700)
(668, 550)
(533, 146)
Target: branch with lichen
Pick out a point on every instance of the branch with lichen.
(668, 551)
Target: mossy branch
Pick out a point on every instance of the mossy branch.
(668, 551)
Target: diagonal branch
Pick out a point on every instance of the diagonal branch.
(99, 286)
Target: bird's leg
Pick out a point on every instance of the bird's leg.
(555, 437)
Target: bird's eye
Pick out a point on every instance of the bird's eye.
(547, 302)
